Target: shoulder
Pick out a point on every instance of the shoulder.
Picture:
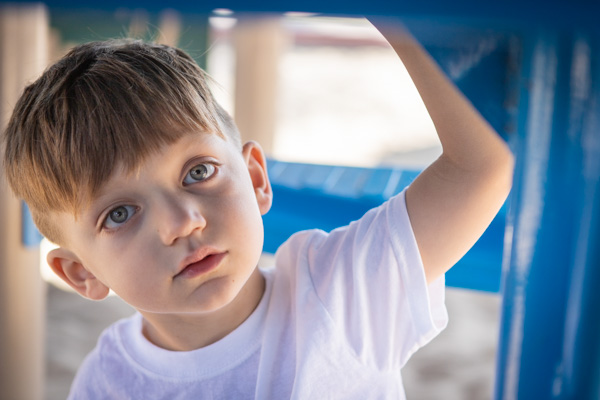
(385, 225)
(299, 242)
(369, 252)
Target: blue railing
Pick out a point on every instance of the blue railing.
(325, 197)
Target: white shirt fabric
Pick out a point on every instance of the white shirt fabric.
(341, 315)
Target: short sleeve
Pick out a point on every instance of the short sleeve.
(369, 277)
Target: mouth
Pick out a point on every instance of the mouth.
(199, 264)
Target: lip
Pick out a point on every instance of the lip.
(200, 263)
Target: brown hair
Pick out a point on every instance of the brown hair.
(103, 104)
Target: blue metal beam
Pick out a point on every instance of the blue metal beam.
(576, 12)
(549, 328)
(308, 196)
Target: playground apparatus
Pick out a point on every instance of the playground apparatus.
(533, 71)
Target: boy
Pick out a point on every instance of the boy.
(129, 165)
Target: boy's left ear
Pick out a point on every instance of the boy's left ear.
(257, 167)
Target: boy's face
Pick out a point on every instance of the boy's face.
(181, 235)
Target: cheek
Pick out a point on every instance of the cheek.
(124, 263)
(237, 198)
(240, 213)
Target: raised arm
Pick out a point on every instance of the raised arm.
(453, 201)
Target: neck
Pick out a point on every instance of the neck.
(193, 331)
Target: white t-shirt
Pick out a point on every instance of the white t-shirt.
(341, 314)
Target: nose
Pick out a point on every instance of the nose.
(178, 216)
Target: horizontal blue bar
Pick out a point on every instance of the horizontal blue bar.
(300, 204)
(563, 12)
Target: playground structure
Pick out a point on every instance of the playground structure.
(533, 74)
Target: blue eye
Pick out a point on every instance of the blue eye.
(199, 173)
(118, 216)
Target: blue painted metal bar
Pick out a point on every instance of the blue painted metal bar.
(547, 320)
(581, 345)
(310, 196)
(460, 12)
(30, 236)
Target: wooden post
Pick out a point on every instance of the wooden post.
(259, 43)
(23, 56)
(169, 28)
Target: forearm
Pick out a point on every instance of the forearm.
(453, 201)
(467, 139)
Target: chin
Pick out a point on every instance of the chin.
(219, 298)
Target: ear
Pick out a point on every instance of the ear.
(257, 167)
(70, 269)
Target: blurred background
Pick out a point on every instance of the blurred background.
(309, 88)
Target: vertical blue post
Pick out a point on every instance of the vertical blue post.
(581, 347)
(550, 335)
(30, 236)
